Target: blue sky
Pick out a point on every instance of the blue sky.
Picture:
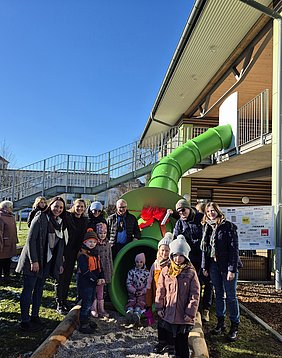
(81, 77)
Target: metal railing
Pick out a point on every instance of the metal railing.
(88, 171)
(253, 119)
(79, 171)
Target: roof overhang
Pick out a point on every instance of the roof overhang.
(216, 33)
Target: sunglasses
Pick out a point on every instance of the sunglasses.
(98, 211)
(182, 210)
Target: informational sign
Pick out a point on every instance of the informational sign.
(255, 226)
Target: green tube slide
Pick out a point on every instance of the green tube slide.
(169, 170)
(162, 192)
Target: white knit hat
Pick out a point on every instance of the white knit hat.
(180, 246)
(166, 240)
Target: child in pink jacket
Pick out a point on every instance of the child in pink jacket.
(136, 285)
(177, 298)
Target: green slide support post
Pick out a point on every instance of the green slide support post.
(162, 192)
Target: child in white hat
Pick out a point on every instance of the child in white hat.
(161, 261)
(177, 298)
(136, 284)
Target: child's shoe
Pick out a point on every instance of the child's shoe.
(206, 316)
(86, 328)
(159, 348)
(94, 311)
(129, 315)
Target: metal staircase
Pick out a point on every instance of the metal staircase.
(80, 174)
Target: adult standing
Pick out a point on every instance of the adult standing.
(190, 225)
(96, 215)
(8, 238)
(123, 227)
(41, 256)
(76, 222)
(40, 204)
(221, 260)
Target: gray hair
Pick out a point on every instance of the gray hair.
(6, 204)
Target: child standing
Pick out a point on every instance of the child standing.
(89, 274)
(177, 298)
(136, 284)
(161, 261)
(103, 249)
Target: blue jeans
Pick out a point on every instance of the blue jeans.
(222, 288)
(87, 292)
(32, 294)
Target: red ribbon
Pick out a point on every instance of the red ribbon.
(150, 214)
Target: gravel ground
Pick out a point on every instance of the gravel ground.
(264, 301)
(113, 338)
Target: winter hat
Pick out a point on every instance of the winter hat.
(166, 240)
(96, 205)
(182, 204)
(90, 234)
(101, 227)
(180, 246)
(140, 257)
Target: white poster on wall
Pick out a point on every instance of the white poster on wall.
(255, 226)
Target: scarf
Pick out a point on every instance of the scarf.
(204, 246)
(55, 234)
(175, 270)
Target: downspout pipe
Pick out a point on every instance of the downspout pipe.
(167, 173)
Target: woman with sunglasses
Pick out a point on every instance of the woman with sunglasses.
(96, 215)
(41, 257)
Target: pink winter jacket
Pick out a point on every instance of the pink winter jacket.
(178, 297)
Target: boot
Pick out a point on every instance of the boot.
(220, 327)
(101, 309)
(94, 311)
(206, 316)
(86, 328)
(61, 309)
(232, 335)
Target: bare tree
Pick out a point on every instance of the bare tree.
(7, 159)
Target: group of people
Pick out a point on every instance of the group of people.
(199, 258)
(57, 240)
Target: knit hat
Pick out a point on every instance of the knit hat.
(101, 227)
(182, 204)
(90, 234)
(140, 257)
(166, 240)
(180, 246)
(96, 205)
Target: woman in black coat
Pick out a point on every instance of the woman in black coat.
(76, 223)
(42, 256)
(221, 260)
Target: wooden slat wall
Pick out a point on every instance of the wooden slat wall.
(259, 192)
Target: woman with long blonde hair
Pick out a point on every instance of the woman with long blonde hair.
(221, 260)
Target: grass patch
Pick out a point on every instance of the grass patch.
(253, 341)
(22, 230)
(14, 342)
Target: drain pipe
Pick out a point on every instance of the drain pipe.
(278, 207)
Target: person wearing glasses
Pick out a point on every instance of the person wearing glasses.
(96, 215)
(190, 225)
(123, 227)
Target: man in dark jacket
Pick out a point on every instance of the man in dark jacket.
(123, 227)
(190, 226)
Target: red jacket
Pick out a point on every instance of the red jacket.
(178, 296)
